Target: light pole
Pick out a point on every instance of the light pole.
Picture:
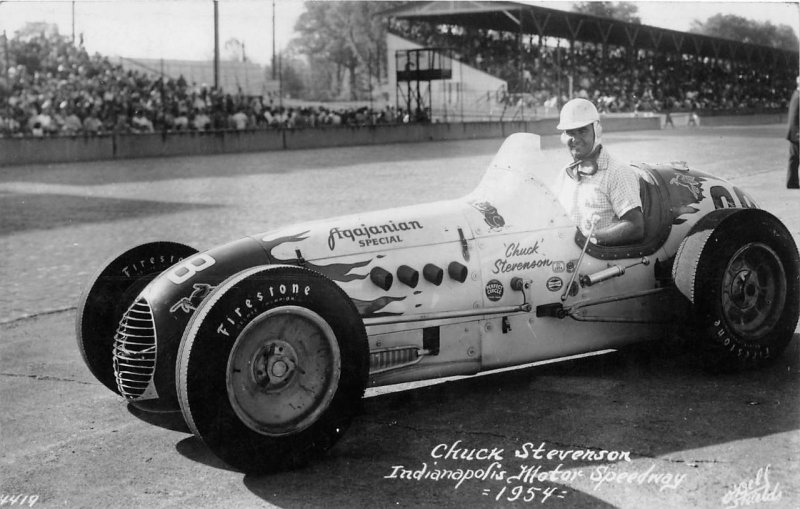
(8, 77)
(273, 40)
(216, 45)
(280, 82)
(369, 78)
(8, 80)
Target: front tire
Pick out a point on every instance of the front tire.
(272, 368)
(108, 296)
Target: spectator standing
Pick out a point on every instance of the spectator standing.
(268, 117)
(693, 117)
(336, 118)
(72, 124)
(181, 122)
(39, 123)
(201, 121)
(140, 123)
(793, 135)
(668, 113)
(121, 123)
(240, 120)
(9, 126)
(92, 124)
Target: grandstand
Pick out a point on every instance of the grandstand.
(545, 56)
(469, 94)
(505, 61)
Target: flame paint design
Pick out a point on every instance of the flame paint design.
(336, 271)
(370, 308)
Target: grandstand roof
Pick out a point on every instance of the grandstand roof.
(548, 22)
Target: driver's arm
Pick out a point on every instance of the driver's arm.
(628, 230)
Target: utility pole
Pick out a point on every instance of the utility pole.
(369, 77)
(73, 22)
(5, 52)
(216, 45)
(163, 100)
(8, 79)
(273, 40)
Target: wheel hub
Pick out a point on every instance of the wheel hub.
(283, 371)
(745, 289)
(753, 290)
(273, 365)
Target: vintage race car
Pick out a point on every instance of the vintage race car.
(267, 344)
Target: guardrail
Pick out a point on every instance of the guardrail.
(59, 149)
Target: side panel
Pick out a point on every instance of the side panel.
(457, 352)
(546, 261)
(534, 241)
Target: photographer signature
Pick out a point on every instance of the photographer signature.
(753, 491)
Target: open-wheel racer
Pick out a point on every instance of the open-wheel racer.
(266, 344)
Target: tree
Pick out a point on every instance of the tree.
(294, 74)
(344, 43)
(31, 51)
(235, 50)
(35, 29)
(730, 26)
(620, 11)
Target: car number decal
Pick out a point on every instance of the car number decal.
(185, 270)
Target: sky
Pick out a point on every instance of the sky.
(183, 29)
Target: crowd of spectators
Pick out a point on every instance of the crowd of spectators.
(56, 87)
(53, 86)
(616, 81)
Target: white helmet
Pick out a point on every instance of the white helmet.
(577, 113)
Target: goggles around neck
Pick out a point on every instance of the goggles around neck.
(583, 167)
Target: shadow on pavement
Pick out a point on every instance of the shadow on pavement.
(638, 401)
(194, 449)
(172, 421)
(25, 212)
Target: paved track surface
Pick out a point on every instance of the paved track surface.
(690, 437)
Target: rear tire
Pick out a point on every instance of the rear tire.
(109, 294)
(746, 293)
(272, 368)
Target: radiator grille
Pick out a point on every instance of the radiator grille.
(135, 350)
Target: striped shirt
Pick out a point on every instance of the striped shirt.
(611, 192)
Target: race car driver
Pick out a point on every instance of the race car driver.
(599, 188)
